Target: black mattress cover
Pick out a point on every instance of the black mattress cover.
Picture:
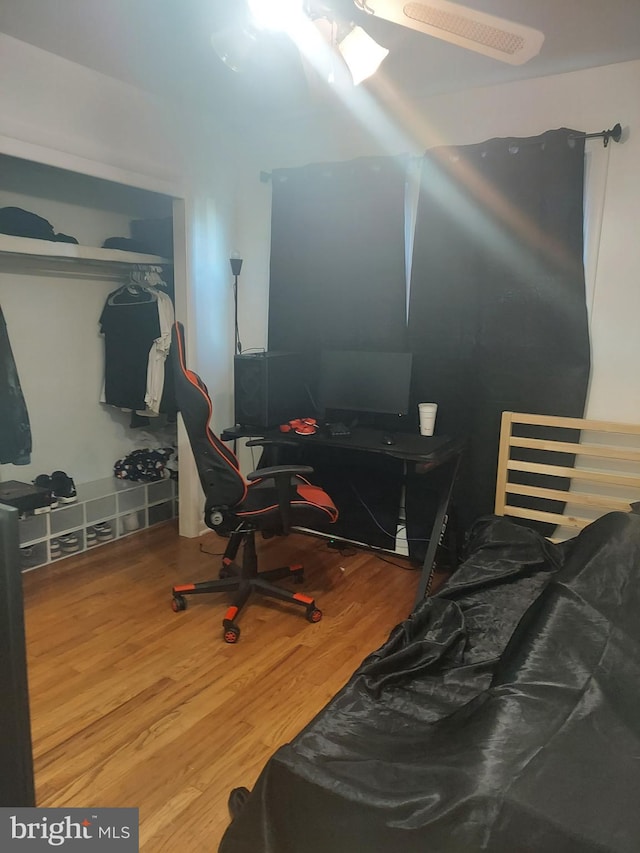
(502, 715)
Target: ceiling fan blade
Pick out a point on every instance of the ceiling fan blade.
(496, 37)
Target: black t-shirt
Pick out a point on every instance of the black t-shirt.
(129, 327)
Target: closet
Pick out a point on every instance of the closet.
(52, 295)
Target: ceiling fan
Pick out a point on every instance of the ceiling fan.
(502, 39)
(499, 38)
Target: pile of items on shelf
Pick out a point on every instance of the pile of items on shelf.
(46, 492)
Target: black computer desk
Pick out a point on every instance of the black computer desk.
(426, 454)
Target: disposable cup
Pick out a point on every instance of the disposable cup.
(427, 412)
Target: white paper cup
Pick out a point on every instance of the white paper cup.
(427, 412)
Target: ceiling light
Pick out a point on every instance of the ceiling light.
(274, 14)
(362, 54)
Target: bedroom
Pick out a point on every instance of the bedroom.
(229, 210)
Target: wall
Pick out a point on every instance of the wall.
(590, 100)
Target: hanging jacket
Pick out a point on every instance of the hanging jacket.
(15, 429)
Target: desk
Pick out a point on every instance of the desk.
(425, 454)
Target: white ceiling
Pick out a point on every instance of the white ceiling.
(164, 46)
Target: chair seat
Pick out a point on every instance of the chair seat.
(311, 506)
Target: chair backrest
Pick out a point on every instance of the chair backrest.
(587, 467)
(217, 464)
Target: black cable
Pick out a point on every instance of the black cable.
(211, 553)
(408, 568)
(377, 524)
(350, 551)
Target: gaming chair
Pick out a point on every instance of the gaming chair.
(270, 501)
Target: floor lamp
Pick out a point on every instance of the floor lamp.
(236, 265)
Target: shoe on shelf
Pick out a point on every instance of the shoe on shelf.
(69, 543)
(104, 531)
(54, 549)
(90, 537)
(63, 487)
(30, 557)
(43, 481)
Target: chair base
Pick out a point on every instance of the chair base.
(243, 580)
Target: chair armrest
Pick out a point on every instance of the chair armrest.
(281, 474)
(264, 442)
(274, 470)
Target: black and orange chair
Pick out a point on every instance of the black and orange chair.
(270, 501)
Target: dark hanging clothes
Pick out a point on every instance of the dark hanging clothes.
(15, 429)
(130, 324)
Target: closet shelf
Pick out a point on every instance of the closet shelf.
(25, 254)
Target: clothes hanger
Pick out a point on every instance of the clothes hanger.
(134, 291)
(153, 277)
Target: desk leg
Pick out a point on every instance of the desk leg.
(438, 529)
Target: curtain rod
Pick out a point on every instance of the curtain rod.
(615, 133)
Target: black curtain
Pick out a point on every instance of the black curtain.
(497, 310)
(337, 278)
(338, 281)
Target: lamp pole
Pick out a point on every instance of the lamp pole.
(236, 265)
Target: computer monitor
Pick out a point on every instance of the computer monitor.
(359, 381)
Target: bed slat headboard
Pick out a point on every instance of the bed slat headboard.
(590, 466)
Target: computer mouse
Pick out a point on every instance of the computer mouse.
(387, 439)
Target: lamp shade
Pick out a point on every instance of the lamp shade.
(362, 54)
(236, 263)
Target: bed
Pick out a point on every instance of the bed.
(502, 714)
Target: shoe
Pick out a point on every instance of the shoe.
(30, 557)
(43, 481)
(90, 537)
(63, 487)
(104, 531)
(69, 543)
(54, 549)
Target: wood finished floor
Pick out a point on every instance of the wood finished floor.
(134, 705)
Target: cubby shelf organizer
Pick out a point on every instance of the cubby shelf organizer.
(122, 507)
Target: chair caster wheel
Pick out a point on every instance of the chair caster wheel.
(231, 634)
(224, 573)
(313, 614)
(178, 603)
(298, 576)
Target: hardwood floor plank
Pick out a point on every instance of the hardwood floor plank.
(134, 705)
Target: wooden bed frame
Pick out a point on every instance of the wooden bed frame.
(590, 466)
